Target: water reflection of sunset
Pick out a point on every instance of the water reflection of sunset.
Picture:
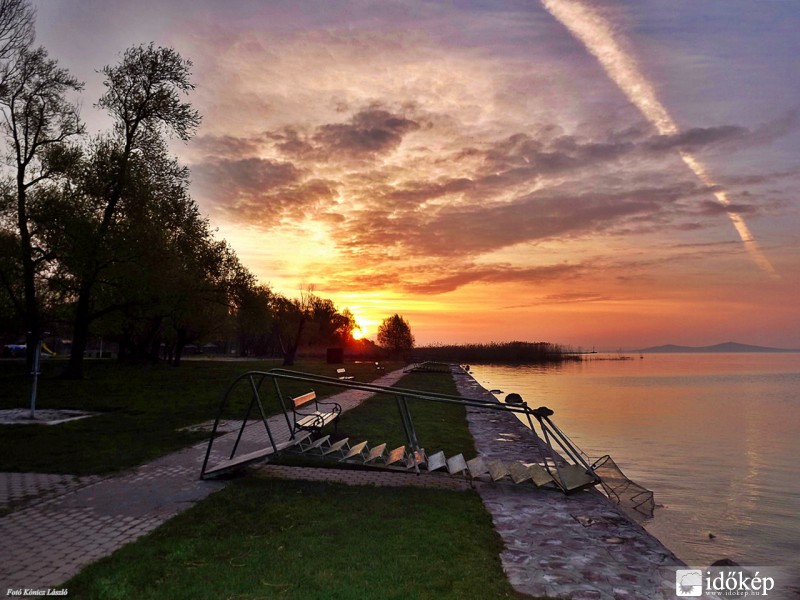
(714, 435)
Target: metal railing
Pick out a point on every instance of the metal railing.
(552, 434)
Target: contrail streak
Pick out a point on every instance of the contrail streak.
(596, 34)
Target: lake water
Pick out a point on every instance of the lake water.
(715, 436)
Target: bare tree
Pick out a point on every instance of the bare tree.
(16, 27)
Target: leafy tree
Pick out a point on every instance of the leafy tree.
(254, 321)
(143, 95)
(344, 324)
(37, 121)
(162, 277)
(394, 334)
(291, 318)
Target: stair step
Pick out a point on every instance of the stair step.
(316, 444)
(575, 477)
(417, 458)
(298, 443)
(519, 472)
(340, 446)
(497, 469)
(456, 464)
(477, 467)
(396, 455)
(436, 461)
(376, 453)
(540, 476)
(356, 451)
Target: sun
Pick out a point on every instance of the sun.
(357, 333)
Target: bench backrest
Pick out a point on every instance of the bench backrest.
(304, 399)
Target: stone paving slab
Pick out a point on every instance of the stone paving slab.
(42, 416)
(377, 478)
(17, 489)
(578, 546)
(51, 539)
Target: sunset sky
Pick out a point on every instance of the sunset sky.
(493, 171)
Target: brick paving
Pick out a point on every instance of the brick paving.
(17, 489)
(376, 478)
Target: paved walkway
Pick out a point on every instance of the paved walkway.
(579, 546)
(75, 521)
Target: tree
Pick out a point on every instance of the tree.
(143, 95)
(16, 27)
(162, 278)
(394, 334)
(37, 121)
(254, 321)
(291, 317)
(344, 325)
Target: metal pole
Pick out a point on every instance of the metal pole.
(34, 388)
(244, 424)
(263, 413)
(404, 422)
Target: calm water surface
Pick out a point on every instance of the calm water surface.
(715, 436)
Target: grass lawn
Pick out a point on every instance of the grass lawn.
(267, 538)
(271, 538)
(143, 408)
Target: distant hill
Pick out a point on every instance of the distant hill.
(726, 347)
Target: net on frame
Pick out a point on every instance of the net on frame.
(620, 489)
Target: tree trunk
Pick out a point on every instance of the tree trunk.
(155, 347)
(31, 320)
(80, 335)
(291, 350)
(288, 357)
(31, 314)
(179, 345)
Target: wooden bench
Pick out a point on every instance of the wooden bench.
(313, 418)
(342, 373)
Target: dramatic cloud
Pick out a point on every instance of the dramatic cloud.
(259, 191)
(368, 133)
(501, 273)
(438, 157)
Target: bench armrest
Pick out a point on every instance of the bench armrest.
(337, 408)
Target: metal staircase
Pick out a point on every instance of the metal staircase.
(548, 470)
(402, 459)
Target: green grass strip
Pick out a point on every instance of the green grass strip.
(266, 538)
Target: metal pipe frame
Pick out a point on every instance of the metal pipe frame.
(409, 393)
(402, 395)
(254, 399)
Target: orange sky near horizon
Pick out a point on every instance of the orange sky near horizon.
(476, 169)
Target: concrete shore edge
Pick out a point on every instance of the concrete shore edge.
(579, 546)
